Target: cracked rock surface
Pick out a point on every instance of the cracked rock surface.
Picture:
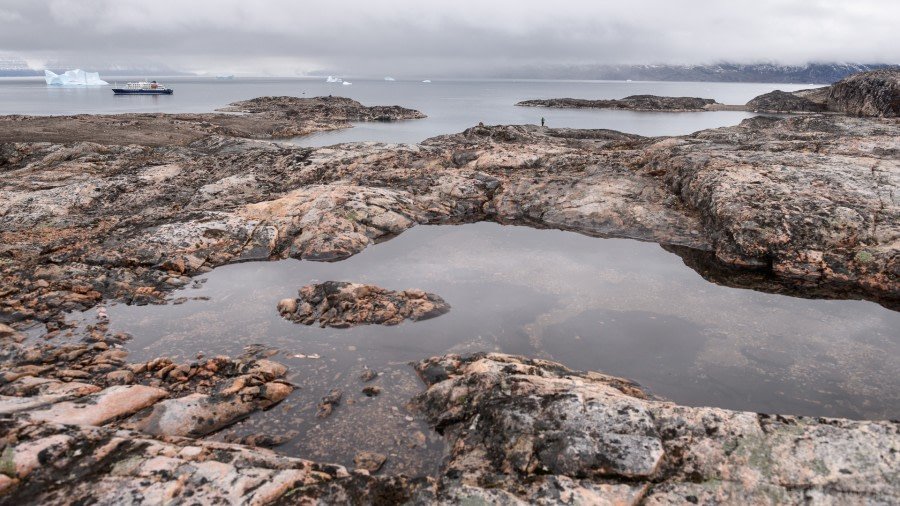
(523, 430)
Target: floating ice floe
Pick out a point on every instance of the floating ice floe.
(389, 79)
(75, 77)
(334, 80)
(347, 83)
(427, 81)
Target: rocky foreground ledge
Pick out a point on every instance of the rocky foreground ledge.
(520, 431)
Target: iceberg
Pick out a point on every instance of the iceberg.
(427, 81)
(389, 79)
(347, 83)
(334, 80)
(75, 77)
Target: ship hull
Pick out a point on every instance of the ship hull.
(120, 91)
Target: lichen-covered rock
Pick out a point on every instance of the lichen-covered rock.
(198, 414)
(533, 430)
(64, 464)
(781, 101)
(341, 304)
(874, 93)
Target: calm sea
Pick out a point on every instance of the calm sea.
(451, 106)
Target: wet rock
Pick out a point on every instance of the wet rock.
(121, 377)
(116, 467)
(371, 391)
(199, 414)
(328, 403)
(267, 440)
(342, 304)
(368, 375)
(99, 408)
(369, 461)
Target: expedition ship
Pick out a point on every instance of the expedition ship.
(143, 88)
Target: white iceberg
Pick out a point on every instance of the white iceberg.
(75, 77)
(347, 83)
(389, 79)
(334, 80)
(427, 81)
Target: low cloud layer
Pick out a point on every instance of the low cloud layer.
(407, 37)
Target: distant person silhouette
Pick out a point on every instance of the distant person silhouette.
(542, 121)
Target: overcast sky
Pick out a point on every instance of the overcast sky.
(408, 37)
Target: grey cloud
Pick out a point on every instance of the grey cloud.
(392, 35)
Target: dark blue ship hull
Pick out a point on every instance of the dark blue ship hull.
(120, 91)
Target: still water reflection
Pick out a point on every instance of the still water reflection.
(618, 306)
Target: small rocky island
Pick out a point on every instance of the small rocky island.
(342, 305)
(633, 103)
(128, 207)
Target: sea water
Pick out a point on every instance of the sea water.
(451, 105)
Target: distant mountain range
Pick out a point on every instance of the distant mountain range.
(814, 73)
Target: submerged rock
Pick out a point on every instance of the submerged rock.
(341, 305)
(369, 461)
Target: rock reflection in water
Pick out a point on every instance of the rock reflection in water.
(622, 307)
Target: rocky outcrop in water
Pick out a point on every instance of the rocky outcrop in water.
(532, 431)
(633, 102)
(333, 109)
(341, 305)
(262, 118)
(783, 102)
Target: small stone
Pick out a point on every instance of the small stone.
(120, 377)
(287, 306)
(328, 403)
(371, 391)
(369, 461)
(368, 375)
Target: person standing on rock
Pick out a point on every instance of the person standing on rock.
(542, 121)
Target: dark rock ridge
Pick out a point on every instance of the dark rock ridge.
(875, 94)
(784, 102)
(341, 305)
(633, 102)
